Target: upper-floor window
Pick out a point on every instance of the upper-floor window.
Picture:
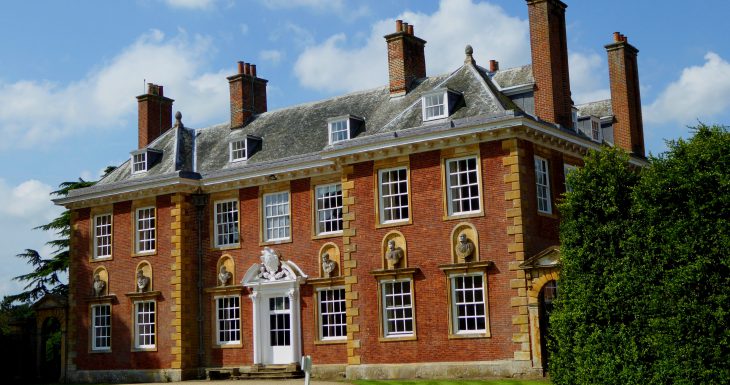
(462, 182)
(103, 236)
(595, 130)
(139, 163)
(145, 230)
(101, 327)
(228, 316)
(542, 183)
(332, 317)
(329, 208)
(434, 106)
(343, 128)
(393, 191)
(339, 131)
(226, 223)
(237, 150)
(276, 216)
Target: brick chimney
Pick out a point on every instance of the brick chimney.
(623, 70)
(548, 41)
(155, 114)
(248, 94)
(406, 60)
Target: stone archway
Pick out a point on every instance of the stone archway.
(51, 313)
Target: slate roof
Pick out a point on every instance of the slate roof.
(598, 109)
(299, 133)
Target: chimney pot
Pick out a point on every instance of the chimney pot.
(405, 27)
(240, 67)
(617, 37)
(247, 69)
(398, 25)
(493, 66)
(253, 70)
(410, 29)
(160, 91)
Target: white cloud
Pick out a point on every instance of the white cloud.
(701, 92)
(272, 55)
(191, 4)
(588, 77)
(300, 36)
(30, 200)
(335, 67)
(39, 112)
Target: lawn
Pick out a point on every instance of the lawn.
(452, 382)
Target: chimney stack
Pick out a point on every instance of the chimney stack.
(406, 59)
(548, 41)
(155, 114)
(248, 94)
(623, 70)
(493, 66)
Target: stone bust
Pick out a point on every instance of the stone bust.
(224, 276)
(394, 254)
(464, 248)
(143, 282)
(328, 265)
(98, 286)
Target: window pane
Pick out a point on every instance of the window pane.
(329, 208)
(276, 216)
(226, 223)
(332, 314)
(469, 308)
(397, 308)
(463, 185)
(394, 195)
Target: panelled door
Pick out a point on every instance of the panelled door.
(279, 349)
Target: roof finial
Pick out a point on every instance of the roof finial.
(178, 120)
(469, 59)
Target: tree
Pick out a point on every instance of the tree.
(644, 294)
(44, 278)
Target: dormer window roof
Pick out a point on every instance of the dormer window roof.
(439, 103)
(244, 148)
(144, 159)
(343, 128)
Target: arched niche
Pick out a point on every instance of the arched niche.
(470, 231)
(227, 261)
(333, 252)
(146, 270)
(399, 243)
(103, 274)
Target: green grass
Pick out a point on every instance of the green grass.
(452, 382)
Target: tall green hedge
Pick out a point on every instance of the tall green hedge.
(644, 294)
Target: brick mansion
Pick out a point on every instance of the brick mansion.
(409, 230)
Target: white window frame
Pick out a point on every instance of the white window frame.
(444, 105)
(139, 162)
(387, 333)
(595, 130)
(328, 213)
(331, 133)
(96, 328)
(152, 323)
(233, 320)
(382, 197)
(267, 217)
(138, 230)
(332, 314)
(567, 169)
(455, 304)
(542, 168)
(103, 240)
(232, 224)
(232, 150)
(450, 188)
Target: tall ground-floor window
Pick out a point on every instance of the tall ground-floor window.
(397, 308)
(144, 325)
(228, 317)
(101, 327)
(332, 317)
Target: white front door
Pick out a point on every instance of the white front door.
(278, 331)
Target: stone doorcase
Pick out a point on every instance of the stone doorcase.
(540, 269)
(51, 306)
(275, 281)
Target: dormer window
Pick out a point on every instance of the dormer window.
(343, 128)
(143, 160)
(596, 130)
(439, 104)
(243, 149)
(139, 163)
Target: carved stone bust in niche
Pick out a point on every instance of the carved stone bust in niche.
(328, 265)
(143, 282)
(394, 254)
(224, 276)
(464, 249)
(98, 286)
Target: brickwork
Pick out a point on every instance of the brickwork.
(628, 131)
(248, 94)
(406, 58)
(549, 47)
(155, 115)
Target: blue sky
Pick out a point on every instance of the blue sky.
(70, 71)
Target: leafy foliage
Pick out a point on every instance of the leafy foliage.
(644, 295)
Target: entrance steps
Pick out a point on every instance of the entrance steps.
(256, 372)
